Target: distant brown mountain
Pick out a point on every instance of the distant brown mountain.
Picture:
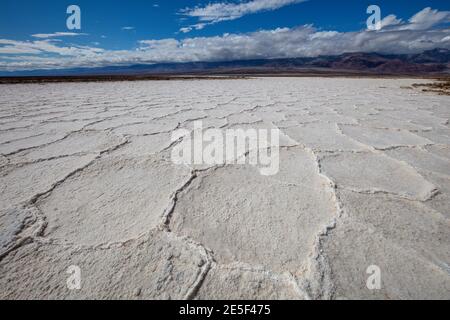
(436, 61)
(368, 62)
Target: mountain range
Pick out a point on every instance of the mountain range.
(436, 61)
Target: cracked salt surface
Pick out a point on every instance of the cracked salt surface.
(87, 180)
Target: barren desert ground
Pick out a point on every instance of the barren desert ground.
(87, 180)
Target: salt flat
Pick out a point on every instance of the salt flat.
(87, 180)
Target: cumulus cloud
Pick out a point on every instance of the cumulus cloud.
(428, 18)
(225, 11)
(390, 20)
(423, 20)
(304, 41)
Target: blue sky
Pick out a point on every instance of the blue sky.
(137, 31)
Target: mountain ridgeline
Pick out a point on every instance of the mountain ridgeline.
(436, 61)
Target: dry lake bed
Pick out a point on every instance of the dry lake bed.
(93, 207)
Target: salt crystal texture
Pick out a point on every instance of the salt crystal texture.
(87, 180)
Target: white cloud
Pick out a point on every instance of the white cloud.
(305, 41)
(128, 28)
(45, 46)
(427, 18)
(224, 11)
(57, 34)
(422, 20)
(18, 50)
(186, 29)
(390, 20)
(198, 26)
